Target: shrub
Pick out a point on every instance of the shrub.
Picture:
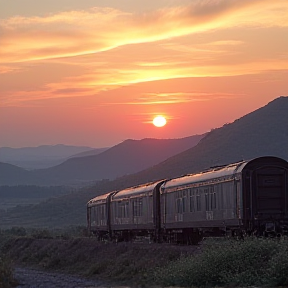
(6, 273)
(41, 234)
(242, 263)
(15, 231)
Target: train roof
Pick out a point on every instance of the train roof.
(98, 199)
(136, 190)
(213, 173)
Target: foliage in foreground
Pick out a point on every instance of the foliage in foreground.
(236, 263)
(6, 273)
(253, 262)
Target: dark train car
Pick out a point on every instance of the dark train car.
(247, 197)
(135, 211)
(98, 216)
(125, 214)
(244, 197)
(265, 195)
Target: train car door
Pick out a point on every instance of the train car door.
(269, 197)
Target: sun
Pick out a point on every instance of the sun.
(159, 121)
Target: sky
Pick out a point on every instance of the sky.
(95, 73)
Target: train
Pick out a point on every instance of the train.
(243, 198)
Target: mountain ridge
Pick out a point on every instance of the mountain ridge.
(263, 132)
(129, 156)
(247, 137)
(42, 156)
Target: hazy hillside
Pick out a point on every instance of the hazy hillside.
(90, 152)
(12, 196)
(128, 157)
(262, 132)
(19, 174)
(42, 156)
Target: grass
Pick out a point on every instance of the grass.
(253, 262)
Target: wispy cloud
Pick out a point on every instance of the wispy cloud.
(82, 53)
(175, 98)
(75, 33)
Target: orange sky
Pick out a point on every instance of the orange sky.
(96, 72)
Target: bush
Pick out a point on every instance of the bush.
(6, 273)
(237, 263)
(15, 231)
(41, 234)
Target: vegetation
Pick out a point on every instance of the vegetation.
(260, 262)
(6, 273)
(61, 211)
(33, 191)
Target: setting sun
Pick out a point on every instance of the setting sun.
(159, 121)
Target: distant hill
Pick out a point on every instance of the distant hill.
(19, 174)
(128, 157)
(262, 132)
(42, 156)
(92, 152)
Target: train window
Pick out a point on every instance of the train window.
(179, 194)
(212, 200)
(94, 215)
(102, 212)
(184, 204)
(178, 206)
(198, 200)
(119, 210)
(207, 199)
(123, 209)
(180, 201)
(126, 209)
(138, 207)
(192, 201)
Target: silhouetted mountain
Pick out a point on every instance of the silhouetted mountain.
(11, 173)
(92, 152)
(263, 132)
(128, 157)
(42, 156)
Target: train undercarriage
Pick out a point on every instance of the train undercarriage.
(192, 236)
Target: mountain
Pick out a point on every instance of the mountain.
(128, 157)
(9, 172)
(42, 156)
(90, 152)
(261, 133)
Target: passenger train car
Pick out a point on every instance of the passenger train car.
(247, 197)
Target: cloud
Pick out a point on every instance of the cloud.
(70, 54)
(75, 33)
(168, 98)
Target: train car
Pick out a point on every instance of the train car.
(98, 216)
(135, 212)
(244, 197)
(247, 197)
(125, 214)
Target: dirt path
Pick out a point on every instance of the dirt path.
(31, 278)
